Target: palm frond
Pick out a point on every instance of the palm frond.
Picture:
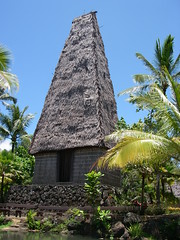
(165, 110)
(5, 58)
(17, 125)
(167, 52)
(158, 54)
(176, 63)
(176, 76)
(27, 120)
(175, 88)
(134, 146)
(5, 121)
(6, 96)
(9, 81)
(4, 132)
(143, 78)
(24, 110)
(118, 135)
(134, 90)
(147, 63)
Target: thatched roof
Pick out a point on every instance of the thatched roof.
(80, 108)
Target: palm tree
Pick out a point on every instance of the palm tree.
(14, 125)
(163, 58)
(136, 146)
(8, 80)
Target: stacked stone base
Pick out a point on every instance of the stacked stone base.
(57, 195)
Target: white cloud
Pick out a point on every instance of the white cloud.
(6, 144)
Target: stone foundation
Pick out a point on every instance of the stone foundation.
(56, 195)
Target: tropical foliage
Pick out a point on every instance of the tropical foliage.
(134, 146)
(15, 169)
(8, 80)
(92, 187)
(164, 58)
(14, 125)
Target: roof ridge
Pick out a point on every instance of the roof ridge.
(99, 112)
(84, 15)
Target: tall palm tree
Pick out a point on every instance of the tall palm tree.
(163, 58)
(137, 146)
(14, 125)
(8, 80)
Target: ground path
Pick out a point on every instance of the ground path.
(18, 224)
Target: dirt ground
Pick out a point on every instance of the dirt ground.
(18, 224)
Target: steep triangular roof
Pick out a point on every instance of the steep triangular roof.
(80, 108)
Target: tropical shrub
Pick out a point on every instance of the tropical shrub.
(32, 223)
(135, 231)
(155, 210)
(92, 187)
(46, 225)
(15, 169)
(74, 216)
(102, 222)
(24, 162)
(2, 219)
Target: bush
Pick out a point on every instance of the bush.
(170, 229)
(136, 231)
(74, 219)
(2, 219)
(101, 221)
(59, 228)
(155, 210)
(47, 225)
(32, 223)
(92, 187)
(75, 213)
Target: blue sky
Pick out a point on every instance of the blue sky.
(35, 31)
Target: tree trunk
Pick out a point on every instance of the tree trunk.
(158, 189)
(163, 188)
(2, 186)
(151, 198)
(12, 147)
(142, 190)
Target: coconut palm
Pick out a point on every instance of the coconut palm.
(8, 80)
(163, 58)
(136, 146)
(14, 125)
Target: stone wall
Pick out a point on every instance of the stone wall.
(46, 167)
(83, 160)
(56, 195)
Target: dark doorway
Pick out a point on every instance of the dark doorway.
(64, 165)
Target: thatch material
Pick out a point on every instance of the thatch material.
(80, 108)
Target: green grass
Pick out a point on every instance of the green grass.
(8, 224)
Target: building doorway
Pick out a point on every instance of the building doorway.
(64, 165)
